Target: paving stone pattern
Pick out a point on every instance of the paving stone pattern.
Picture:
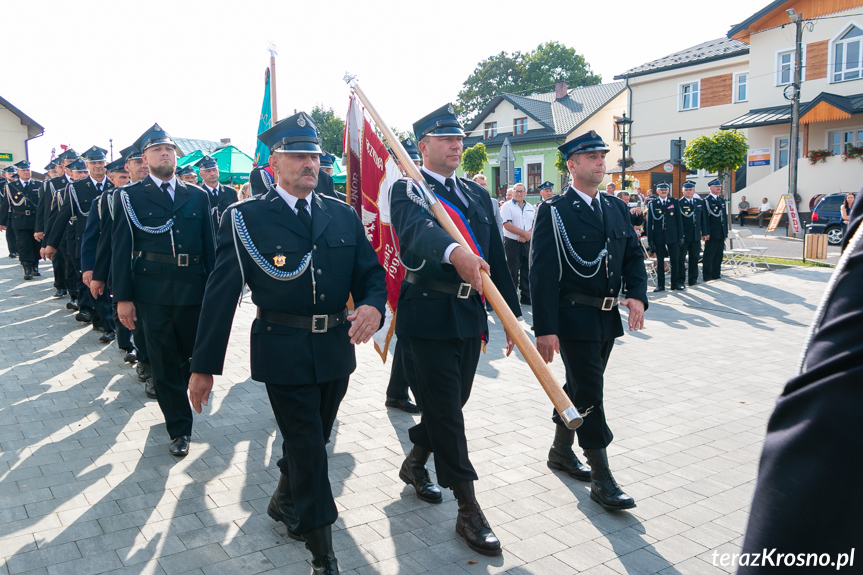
(87, 485)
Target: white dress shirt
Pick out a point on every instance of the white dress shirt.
(172, 184)
(587, 198)
(292, 200)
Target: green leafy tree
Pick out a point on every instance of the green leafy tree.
(522, 73)
(560, 164)
(553, 62)
(331, 129)
(473, 159)
(721, 153)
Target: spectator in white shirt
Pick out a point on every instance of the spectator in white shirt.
(763, 209)
(518, 216)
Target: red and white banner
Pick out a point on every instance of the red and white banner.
(371, 171)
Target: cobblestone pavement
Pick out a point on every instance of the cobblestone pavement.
(87, 485)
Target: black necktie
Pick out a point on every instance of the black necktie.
(166, 186)
(596, 211)
(99, 187)
(303, 214)
(450, 186)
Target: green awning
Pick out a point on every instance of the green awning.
(234, 165)
(340, 174)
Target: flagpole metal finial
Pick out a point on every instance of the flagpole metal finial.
(350, 79)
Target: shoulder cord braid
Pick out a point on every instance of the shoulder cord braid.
(74, 195)
(855, 241)
(718, 213)
(418, 200)
(275, 273)
(561, 239)
(20, 202)
(691, 213)
(653, 213)
(110, 200)
(132, 218)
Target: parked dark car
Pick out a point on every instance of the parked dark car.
(827, 219)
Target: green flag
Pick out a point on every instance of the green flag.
(262, 153)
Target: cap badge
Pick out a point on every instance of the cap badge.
(279, 260)
(301, 122)
(449, 109)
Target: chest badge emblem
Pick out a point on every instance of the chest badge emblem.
(279, 260)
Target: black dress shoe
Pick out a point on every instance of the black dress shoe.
(150, 389)
(405, 405)
(679, 288)
(320, 542)
(84, 315)
(525, 302)
(693, 283)
(59, 293)
(36, 273)
(72, 305)
(180, 446)
(143, 371)
(659, 289)
(13, 256)
(414, 472)
(604, 489)
(561, 456)
(471, 524)
(281, 507)
(131, 355)
(108, 337)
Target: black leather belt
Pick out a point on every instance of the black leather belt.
(23, 212)
(313, 323)
(181, 260)
(462, 290)
(603, 303)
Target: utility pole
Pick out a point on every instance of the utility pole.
(793, 145)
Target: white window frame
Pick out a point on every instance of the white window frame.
(534, 159)
(680, 95)
(774, 163)
(778, 78)
(736, 87)
(831, 54)
(486, 131)
(855, 129)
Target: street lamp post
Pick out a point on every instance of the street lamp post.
(793, 145)
(622, 123)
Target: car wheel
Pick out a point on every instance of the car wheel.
(834, 235)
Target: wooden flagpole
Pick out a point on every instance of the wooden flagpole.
(549, 383)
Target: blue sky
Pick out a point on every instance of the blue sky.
(109, 69)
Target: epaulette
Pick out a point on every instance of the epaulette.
(554, 198)
(245, 201)
(339, 200)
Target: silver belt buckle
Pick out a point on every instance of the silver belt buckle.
(608, 303)
(319, 323)
(463, 291)
(183, 260)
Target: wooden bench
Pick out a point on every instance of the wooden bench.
(752, 214)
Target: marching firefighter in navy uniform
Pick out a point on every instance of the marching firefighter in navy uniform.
(54, 169)
(402, 374)
(583, 251)
(162, 250)
(77, 202)
(18, 208)
(693, 220)
(443, 319)
(55, 187)
(302, 255)
(716, 232)
(665, 235)
(221, 196)
(11, 243)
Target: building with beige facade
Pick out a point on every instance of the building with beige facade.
(16, 129)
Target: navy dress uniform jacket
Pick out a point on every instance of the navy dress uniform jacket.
(86, 192)
(138, 279)
(23, 216)
(663, 222)
(693, 218)
(430, 314)
(553, 314)
(717, 219)
(49, 206)
(224, 198)
(326, 187)
(344, 264)
(815, 439)
(102, 262)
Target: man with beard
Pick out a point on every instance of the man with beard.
(220, 196)
(77, 203)
(162, 251)
(302, 255)
(18, 208)
(137, 353)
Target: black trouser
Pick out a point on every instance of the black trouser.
(103, 307)
(585, 363)
(402, 374)
(59, 266)
(518, 262)
(28, 246)
(305, 415)
(672, 252)
(68, 268)
(711, 263)
(124, 335)
(170, 337)
(80, 291)
(692, 249)
(444, 376)
(741, 216)
(11, 241)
